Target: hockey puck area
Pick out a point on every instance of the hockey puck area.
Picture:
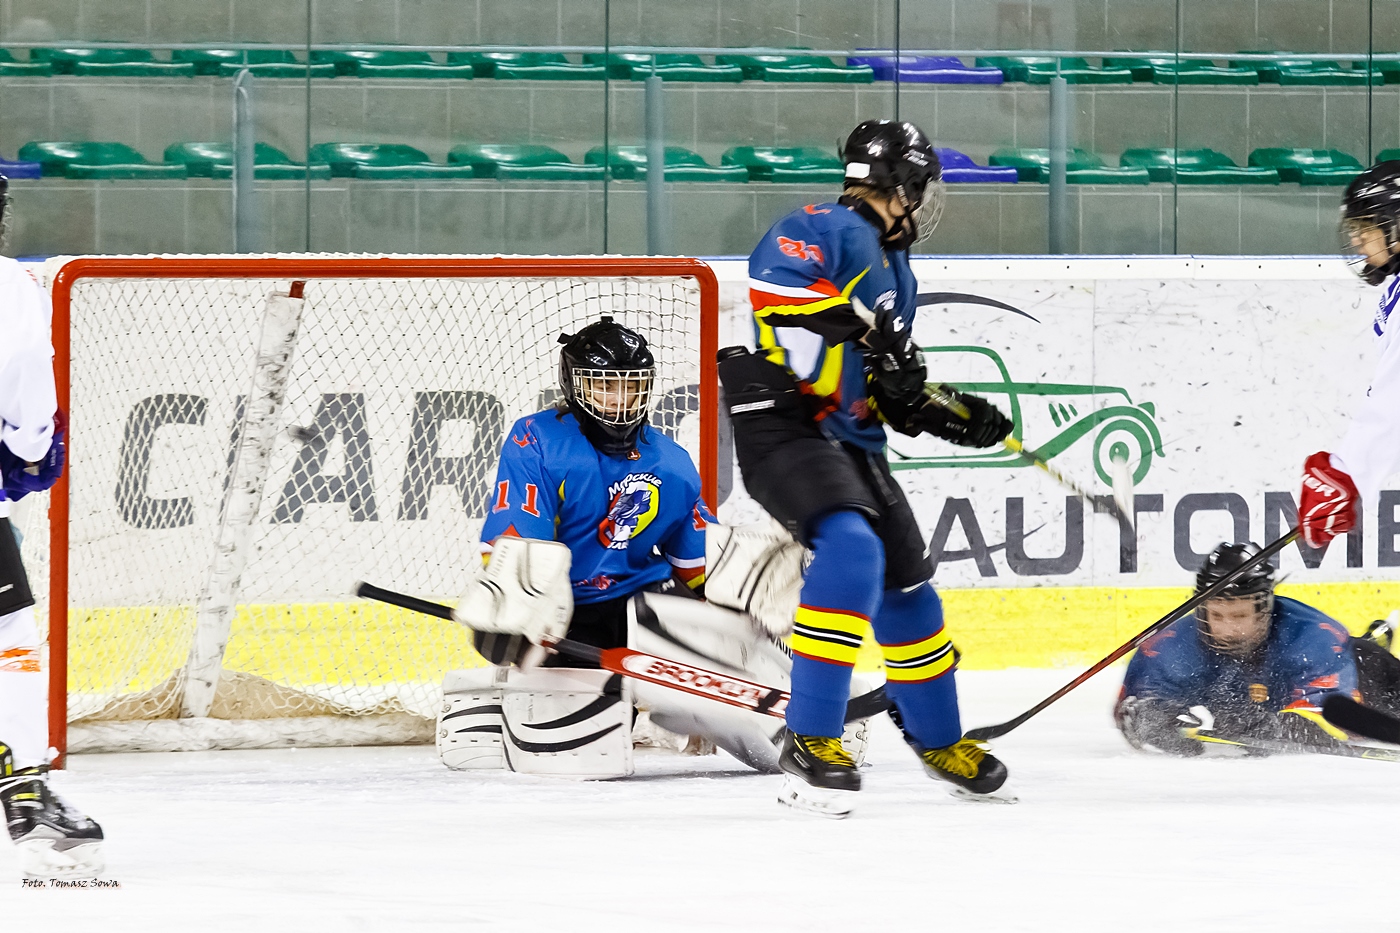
(388, 838)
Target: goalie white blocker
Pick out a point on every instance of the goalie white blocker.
(53, 839)
(596, 529)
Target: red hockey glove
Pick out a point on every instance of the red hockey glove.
(1327, 506)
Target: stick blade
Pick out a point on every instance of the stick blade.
(1345, 713)
(983, 733)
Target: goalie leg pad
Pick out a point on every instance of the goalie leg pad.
(697, 633)
(471, 725)
(568, 722)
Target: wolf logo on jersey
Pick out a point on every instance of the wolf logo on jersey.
(635, 501)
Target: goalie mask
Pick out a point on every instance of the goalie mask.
(1236, 622)
(897, 159)
(606, 372)
(1371, 222)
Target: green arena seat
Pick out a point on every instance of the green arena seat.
(527, 66)
(1311, 71)
(1034, 69)
(521, 162)
(1337, 175)
(112, 63)
(261, 63)
(1163, 68)
(10, 67)
(390, 64)
(1291, 163)
(95, 160)
(1196, 167)
(382, 161)
(635, 66)
(798, 164)
(215, 160)
(630, 163)
(1081, 167)
(797, 68)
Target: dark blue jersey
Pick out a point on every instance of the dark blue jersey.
(803, 276)
(628, 523)
(1307, 656)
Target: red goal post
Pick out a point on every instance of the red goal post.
(380, 292)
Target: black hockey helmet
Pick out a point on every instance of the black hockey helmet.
(606, 372)
(1372, 202)
(1236, 621)
(896, 158)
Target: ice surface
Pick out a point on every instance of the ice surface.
(1104, 838)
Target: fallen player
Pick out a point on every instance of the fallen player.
(1250, 671)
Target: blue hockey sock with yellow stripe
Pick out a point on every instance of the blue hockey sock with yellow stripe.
(840, 595)
(919, 665)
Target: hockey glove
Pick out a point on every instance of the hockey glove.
(984, 425)
(897, 365)
(1149, 723)
(19, 477)
(1327, 505)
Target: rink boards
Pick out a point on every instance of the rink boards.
(1214, 377)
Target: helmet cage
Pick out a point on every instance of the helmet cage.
(614, 398)
(1356, 226)
(1237, 645)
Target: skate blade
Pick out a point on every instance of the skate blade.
(962, 793)
(832, 804)
(40, 860)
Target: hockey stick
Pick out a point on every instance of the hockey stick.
(1122, 502)
(697, 681)
(1345, 713)
(992, 732)
(1270, 746)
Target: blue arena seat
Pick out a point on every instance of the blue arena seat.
(927, 69)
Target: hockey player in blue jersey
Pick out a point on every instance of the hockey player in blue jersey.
(589, 473)
(596, 529)
(834, 301)
(1249, 666)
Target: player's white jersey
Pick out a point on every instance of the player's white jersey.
(27, 395)
(1370, 452)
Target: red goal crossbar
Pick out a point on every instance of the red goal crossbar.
(308, 268)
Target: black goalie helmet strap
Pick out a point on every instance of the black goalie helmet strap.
(606, 373)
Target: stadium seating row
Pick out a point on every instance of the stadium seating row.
(1267, 166)
(89, 160)
(1155, 67)
(801, 164)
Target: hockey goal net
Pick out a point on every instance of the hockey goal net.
(239, 458)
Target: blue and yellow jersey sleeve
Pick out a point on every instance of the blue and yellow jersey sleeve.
(802, 275)
(1170, 666)
(1315, 652)
(524, 502)
(685, 547)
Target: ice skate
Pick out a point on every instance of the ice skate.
(821, 776)
(54, 840)
(972, 770)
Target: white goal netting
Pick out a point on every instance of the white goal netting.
(382, 431)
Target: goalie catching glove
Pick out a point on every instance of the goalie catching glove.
(523, 594)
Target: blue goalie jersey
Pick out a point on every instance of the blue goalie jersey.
(628, 523)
